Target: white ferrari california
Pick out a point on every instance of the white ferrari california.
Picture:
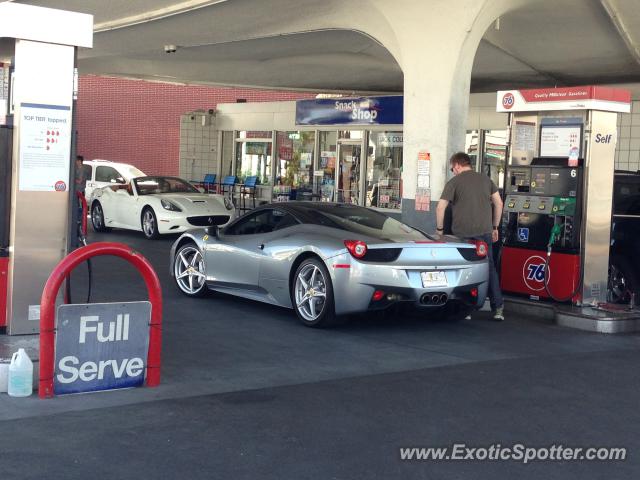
(157, 205)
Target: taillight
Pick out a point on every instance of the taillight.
(481, 248)
(357, 248)
(377, 295)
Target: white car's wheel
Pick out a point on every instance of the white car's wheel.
(188, 270)
(149, 223)
(97, 218)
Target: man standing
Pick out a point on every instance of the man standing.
(81, 175)
(476, 214)
(80, 184)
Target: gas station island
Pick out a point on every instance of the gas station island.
(325, 207)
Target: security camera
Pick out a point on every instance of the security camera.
(170, 49)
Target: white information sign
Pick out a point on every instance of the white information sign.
(525, 136)
(557, 141)
(45, 147)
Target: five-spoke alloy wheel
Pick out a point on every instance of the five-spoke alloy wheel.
(188, 270)
(312, 294)
(97, 217)
(149, 223)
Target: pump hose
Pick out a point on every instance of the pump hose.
(83, 240)
(546, 280)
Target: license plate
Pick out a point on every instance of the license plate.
(434, 279)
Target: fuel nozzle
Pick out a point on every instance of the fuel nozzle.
(553, 237)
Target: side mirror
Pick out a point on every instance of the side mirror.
(213, 231)
(121, 180)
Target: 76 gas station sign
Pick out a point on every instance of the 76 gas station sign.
(567, 98)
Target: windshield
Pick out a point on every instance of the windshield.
(364, 221)
(157, 185)
(130, 171)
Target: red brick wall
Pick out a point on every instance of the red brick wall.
(138, 122)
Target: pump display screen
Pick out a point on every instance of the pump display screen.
(559, 140)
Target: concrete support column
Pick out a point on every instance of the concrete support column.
(436, 98)
(435, 43)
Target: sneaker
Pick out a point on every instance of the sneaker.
(498, 315)
(468, 317)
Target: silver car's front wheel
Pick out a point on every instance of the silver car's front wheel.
(188, 270)
(312, 294)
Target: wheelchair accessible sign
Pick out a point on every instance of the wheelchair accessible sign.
(523, 234)
(101, 346)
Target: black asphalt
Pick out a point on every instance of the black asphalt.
(247, 392)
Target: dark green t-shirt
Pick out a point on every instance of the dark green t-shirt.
(470, 193)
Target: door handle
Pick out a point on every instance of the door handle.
(261, 246)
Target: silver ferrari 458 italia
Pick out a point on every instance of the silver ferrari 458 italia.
(326, 260)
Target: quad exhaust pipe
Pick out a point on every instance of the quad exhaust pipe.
(434, 299)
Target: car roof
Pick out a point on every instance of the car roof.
(300, 209)
(99, 161)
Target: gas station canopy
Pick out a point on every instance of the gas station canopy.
(312, 44)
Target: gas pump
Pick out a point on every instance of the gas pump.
(36, 171)
(6, 133)
(558, 191)
(541, 230)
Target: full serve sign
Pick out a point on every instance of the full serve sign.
(101, 346)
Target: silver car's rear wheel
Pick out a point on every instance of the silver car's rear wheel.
(188, 270)
(312, 294)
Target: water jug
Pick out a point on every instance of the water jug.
(20, 375)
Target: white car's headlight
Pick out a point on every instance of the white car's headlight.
(167, 205)
(228, 204)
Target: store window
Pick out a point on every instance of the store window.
(384, 170)
(494, 155)
(471, 147)
(294, 165)
(264, 134)
(350, 134)
(253, 156)
(325, 185)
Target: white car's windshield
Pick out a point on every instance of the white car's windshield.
(157, 185)
(130, 171)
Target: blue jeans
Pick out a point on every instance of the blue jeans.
(495, 294)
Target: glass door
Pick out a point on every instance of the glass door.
(494, 155)
(349, 172)
(325, 185)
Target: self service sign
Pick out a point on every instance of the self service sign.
(101, 346)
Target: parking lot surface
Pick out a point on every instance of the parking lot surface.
(248, 392)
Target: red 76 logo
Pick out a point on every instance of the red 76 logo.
(534, 270)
